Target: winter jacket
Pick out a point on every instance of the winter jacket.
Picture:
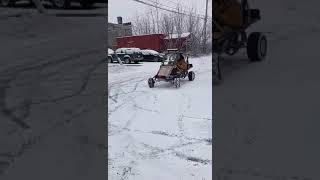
(228, 13)
(182, 65)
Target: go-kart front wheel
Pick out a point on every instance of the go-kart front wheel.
(257, 46)
(191, 75)
(176, 82)
(151, 82)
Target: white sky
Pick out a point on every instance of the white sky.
(129, 8)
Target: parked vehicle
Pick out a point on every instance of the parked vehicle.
(151, 55)
(129, 55)
(60, 4)
(112, 56)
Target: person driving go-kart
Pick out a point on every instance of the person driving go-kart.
(182, 65)
(228, 13)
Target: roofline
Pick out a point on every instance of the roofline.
(139, 35)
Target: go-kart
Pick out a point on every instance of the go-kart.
(170, 72)
(231, 19)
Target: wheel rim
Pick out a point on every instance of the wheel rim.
(263, 47)
(126, 61)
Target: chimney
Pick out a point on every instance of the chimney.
(119, 20)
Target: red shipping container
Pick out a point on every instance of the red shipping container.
(149, 41)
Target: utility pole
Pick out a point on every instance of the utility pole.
(205, 28)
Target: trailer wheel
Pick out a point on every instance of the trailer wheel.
(176, 82)
(191, 75)
(257, 46)
(151, 82)
(7, 3)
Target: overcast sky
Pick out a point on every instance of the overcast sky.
(129, 8)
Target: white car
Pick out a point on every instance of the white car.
(129, 55)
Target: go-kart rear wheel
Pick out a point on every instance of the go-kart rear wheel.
(151, 82)
(191, 75)
(176, 82)
(257, 46)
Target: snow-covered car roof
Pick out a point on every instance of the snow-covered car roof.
(149, 52)
(128, 50)
(175, 36)
(110, 51)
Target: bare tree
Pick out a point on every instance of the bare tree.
(169, 23)
(153, 21)
(157, 16)
(178, 20)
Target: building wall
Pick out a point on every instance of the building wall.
(150, 41)
(117, 30)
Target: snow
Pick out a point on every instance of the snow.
(175, 36)
(149, 52)
(110, 51)
(128, 50)
(163, 132)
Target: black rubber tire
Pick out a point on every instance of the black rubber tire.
(217, 70)
(86, 4)
(191, 75)
(110, 60)
(7, 3)
(151, 82)
(61, 4)
(127, 61)
(257, 46)
(176, 82)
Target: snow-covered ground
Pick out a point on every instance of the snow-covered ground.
(163, 132)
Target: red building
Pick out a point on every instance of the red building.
(175, 41)
(157, 42)
(149, 41)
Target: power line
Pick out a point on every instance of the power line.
(177, 4)
(169, 10)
